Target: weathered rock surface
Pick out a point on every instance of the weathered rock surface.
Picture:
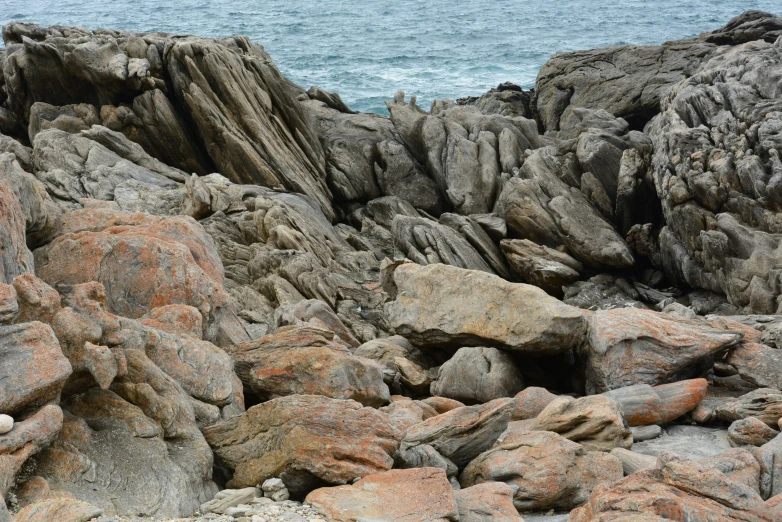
(305, 440)
(460, 434)
(541, 266)
(487, 502)
(305, 360)
(33, 368)
(396, 496)
(631, 346)
(595, 422)
(544, 470)
(677, 489)
(15, 257)
(750, 432)
(643, 405)
(437, 305)
(60, 509)
(478, 375)
(764, 404)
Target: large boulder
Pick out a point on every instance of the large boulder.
(144, 428)
(478, 375)
(540, 207)
(409, 495)
(33, 369)
(644, 405)
(439, 305)
(595, 422)
(629, 346)
(541, 266)
(718, 187)
(677, 489)
(60, 509)
(764, 404)
(28, 437)
(164, 260)
(544, 470)
(305, 440)
(305, 360)
(460, 434)
(758, 364)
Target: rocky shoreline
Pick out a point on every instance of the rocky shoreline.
(223, 297)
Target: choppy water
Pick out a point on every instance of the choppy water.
(366, 50)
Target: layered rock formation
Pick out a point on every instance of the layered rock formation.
(559, 300)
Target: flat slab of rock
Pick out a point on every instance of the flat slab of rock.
(693, 442)
(438, 305)
(409, 495)
(301, 438)
(59, 509)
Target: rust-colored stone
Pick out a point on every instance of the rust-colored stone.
(409, 495)
(298, 436)
(530, 402)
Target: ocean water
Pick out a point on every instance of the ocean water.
(367, 50)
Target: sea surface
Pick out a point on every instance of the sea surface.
(367, 50)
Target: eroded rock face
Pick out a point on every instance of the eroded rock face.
(32, 366)
(676, 487)
(644, 405)
(437, 305)
(487, 502)
(595, 422)
(630, 346)
(460, 434)
(15, 258)
(395, 496)
(306, 360)
(61, 509)
(764, 404)
(544, 470)
(306, 440)
(719, 194)
(620, 80)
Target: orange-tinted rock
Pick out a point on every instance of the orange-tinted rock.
(33, 368)
(15, 258)
(643, 405)
(160, 262)
(627, 346)
(175, 319)
(406, 413)
(678, 490)
(544, 470)
(438, 305)
(37, 300)
(410, 495)
(301, 436)
(775, 503)
(487, 502)
(738, 465)
(530, 402)
(59, 510)
(9, 308)
(595, 422)
(27, 438)
(442, 404)
(306, 360)
(750, 432)
(769, 456)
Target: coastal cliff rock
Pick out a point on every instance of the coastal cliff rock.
(561, 300)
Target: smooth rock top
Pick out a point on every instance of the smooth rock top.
(438, 305)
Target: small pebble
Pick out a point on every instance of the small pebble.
(6, 424)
